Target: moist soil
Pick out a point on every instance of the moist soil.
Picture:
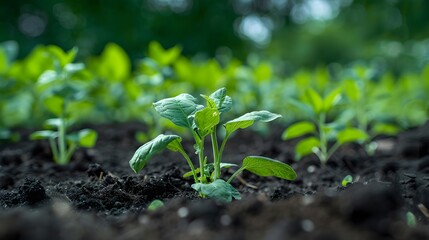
(98, 196)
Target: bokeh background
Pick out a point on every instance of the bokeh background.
(295, 33)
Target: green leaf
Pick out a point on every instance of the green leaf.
(175, 145)
(54, 104)
(178, 109)
(53, 123)
(351, 135)
(352, 90)
(210, 102)
(46, 79)
(149, 149)
(314, 99)
(62, 57)
(45, 134)
(79, 109)
(267, 167)
(305, 147)
(332, 99)
(206, 119)
(248, 119)
(385, 129)
(114, 63)
(162, 56)
(302, 107)
(155, 204)
(347, 179)
(227, 165)
(218, 190)
(74, 67)
(4, 62)
(87, 138)
(411, 219)
(298, 129)
(223, 102)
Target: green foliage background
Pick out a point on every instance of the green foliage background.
(391, 32)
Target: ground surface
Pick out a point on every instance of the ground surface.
(98, 196)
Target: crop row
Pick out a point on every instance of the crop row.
(49, 83)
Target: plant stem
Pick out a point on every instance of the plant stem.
(202, 164)
(54, 149)
(332, 150)
(62, 141)
(222, 146)
(200, 143)
(323, 141)
(216, 158)
(235, 174)
(191, 165)
(70, 152)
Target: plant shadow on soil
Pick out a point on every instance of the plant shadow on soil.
(97, 196)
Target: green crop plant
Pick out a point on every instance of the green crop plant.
(318, 132)
(203, 122)
(366, 106)
(64, 99)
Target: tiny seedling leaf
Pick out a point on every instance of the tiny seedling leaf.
(87, 138)
(332, 99)
(411, 219)
(74, 67)
(44, 134)
(298, 129)
(305, 147)
(352, 90)
(347, 179)
(53, 123)
(178, 109)
(267, 167)
(149, 149)
(248, 119)
(155, 204)
(314, 99)
(302, 107)
(218, 190)
(351, 135)
(54, 104)
(206, 119)
(385, 129)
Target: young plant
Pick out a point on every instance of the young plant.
(365, 105)
(63, 100)
(203, 122)
(321, 132)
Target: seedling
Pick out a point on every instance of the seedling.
(203, 121)
(321, 132)
(347, 180)
(155, 205)
(63, 99)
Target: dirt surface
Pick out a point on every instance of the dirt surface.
(97, 196)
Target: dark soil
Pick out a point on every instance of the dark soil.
(97, 196)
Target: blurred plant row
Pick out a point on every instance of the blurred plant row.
(49, 82)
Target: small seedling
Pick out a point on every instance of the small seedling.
(347, 180)
(62, 99)
(364, 108)
(203, 121)
(155, 205)
(411, 219)
(320, 130)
